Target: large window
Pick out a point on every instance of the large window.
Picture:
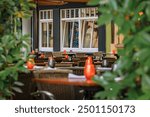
(79, 29)
(45, 30)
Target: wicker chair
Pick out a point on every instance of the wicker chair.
(48, 54)
(97, 55)
(60, 92)
(81, 54)
(41, 60)
(57, 54)
(78, 71)
(52, 73)
(63, 64)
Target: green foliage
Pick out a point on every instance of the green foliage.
(13, 45)
(133, 67)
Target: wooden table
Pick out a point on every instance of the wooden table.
(66, 81)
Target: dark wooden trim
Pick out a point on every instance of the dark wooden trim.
(35, 29)
(102, 38)
(69, 5)
(32, 39)
(56, 30)
(112, 32)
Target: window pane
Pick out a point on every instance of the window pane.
(41, 15)
(49, 14)
(70, 34)
(65, 34)
(75, 43)
(50, 34)
(63, 14)
(89, 34)
(44, 34)
(76, 12)
(95, 37)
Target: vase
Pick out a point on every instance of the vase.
(89, 69)
(89, 60)
(30, 65)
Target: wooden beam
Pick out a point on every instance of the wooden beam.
(58, 2)
(50, 3)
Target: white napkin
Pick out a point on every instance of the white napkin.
(73, 76)
(38, 67)
(49, 68)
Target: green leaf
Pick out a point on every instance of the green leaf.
(1, 85)
(3, 57)
(101, 81)
(144, 97)
(148, 13)
(9, 59)
(18, 83)
(146, 84)
(104, 19)
(141, 54)
(133, 94)
(1, 49)
(119, 20)
(3, 74)
(126, 3)
(113, 4)
(17, 89)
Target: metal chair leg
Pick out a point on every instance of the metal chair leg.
(44, 94)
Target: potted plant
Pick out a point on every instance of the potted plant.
(133, 66)
(12, 44)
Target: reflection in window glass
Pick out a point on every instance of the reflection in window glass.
(44, 34)
(89, 34)
(70, 34)
(50, 34)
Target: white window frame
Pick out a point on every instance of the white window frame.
(77, 19)
(45, 19)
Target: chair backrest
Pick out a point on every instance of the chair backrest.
(97, 55)
(52, 73)
(57, 54)
(48, 54)
(81, 54)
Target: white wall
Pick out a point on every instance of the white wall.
(26, 26)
